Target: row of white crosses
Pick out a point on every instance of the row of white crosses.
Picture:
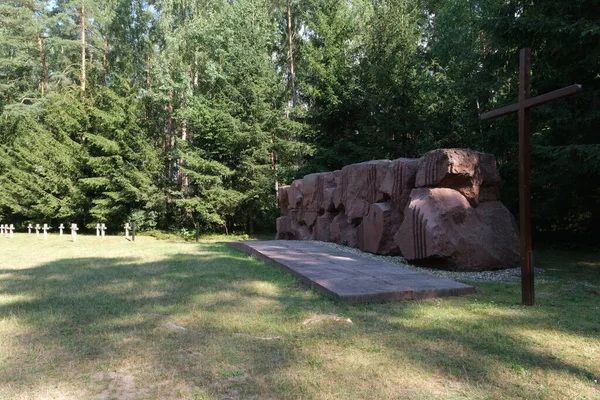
(100, 229)
(61, 228)
(45, 228)
(7, 230)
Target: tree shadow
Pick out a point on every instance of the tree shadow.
(83, 312)
(90, 313)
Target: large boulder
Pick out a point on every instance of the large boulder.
(316, 191)
(294, 194)
(284, 203)
(472, 173)
(321, 230)
(399, 180)
(441, 225)
(360, 187)
(316, 196)
(343, 232)
(376, 232)
(289, 229)
(442, 207)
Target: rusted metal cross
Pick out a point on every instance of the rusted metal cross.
(522, 107)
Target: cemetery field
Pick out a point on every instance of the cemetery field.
(114, 319)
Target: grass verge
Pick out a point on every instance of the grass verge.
(156, 319)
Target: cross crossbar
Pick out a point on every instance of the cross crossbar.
(533, 101)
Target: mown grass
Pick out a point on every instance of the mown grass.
(159, 319)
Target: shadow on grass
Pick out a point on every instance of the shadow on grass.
(82, 312)
(86, 311)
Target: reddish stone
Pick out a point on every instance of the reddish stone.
(294, 194)
(336, 192)
(284, 203)
(360, 187)
(440, 224)
(289, 229)
(321, 230)
(473, 174)
(284, 228)
(343, 232)
(400, 180)
(453, 216)
(316, 191)
(376, 232)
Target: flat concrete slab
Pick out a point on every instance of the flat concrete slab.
(349, 277)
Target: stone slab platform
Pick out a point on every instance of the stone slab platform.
(349, 277)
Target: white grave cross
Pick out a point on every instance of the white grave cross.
(29, 228)
(127, 230)
(61, 227)
(37, 230)
(102, 228)
(97, 230)
(11, 228)
(45, 228)
(74, 230)
(1, 229)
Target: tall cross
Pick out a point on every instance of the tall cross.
(522, 107)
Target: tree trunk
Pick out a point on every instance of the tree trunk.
(44, 82)
(195, 73)
(169, 139)
(182, 178)
(83, 78)
(104, 59)
(292, 75)
(148, 72)
(274, 169)
(291, 56)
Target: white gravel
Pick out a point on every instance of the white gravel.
(503, 275)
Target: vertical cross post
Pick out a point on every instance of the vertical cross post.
(522, 107)
(11, 228)
(525, 177)
(29, 229)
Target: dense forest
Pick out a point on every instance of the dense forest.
(176, 112)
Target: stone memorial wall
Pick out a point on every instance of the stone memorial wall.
(443, 209)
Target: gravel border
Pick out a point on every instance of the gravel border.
(502, 275)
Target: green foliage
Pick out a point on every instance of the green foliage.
(40, 171)
(189, 115)
(144, 220)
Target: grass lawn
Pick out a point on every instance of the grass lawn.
(158, 319)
